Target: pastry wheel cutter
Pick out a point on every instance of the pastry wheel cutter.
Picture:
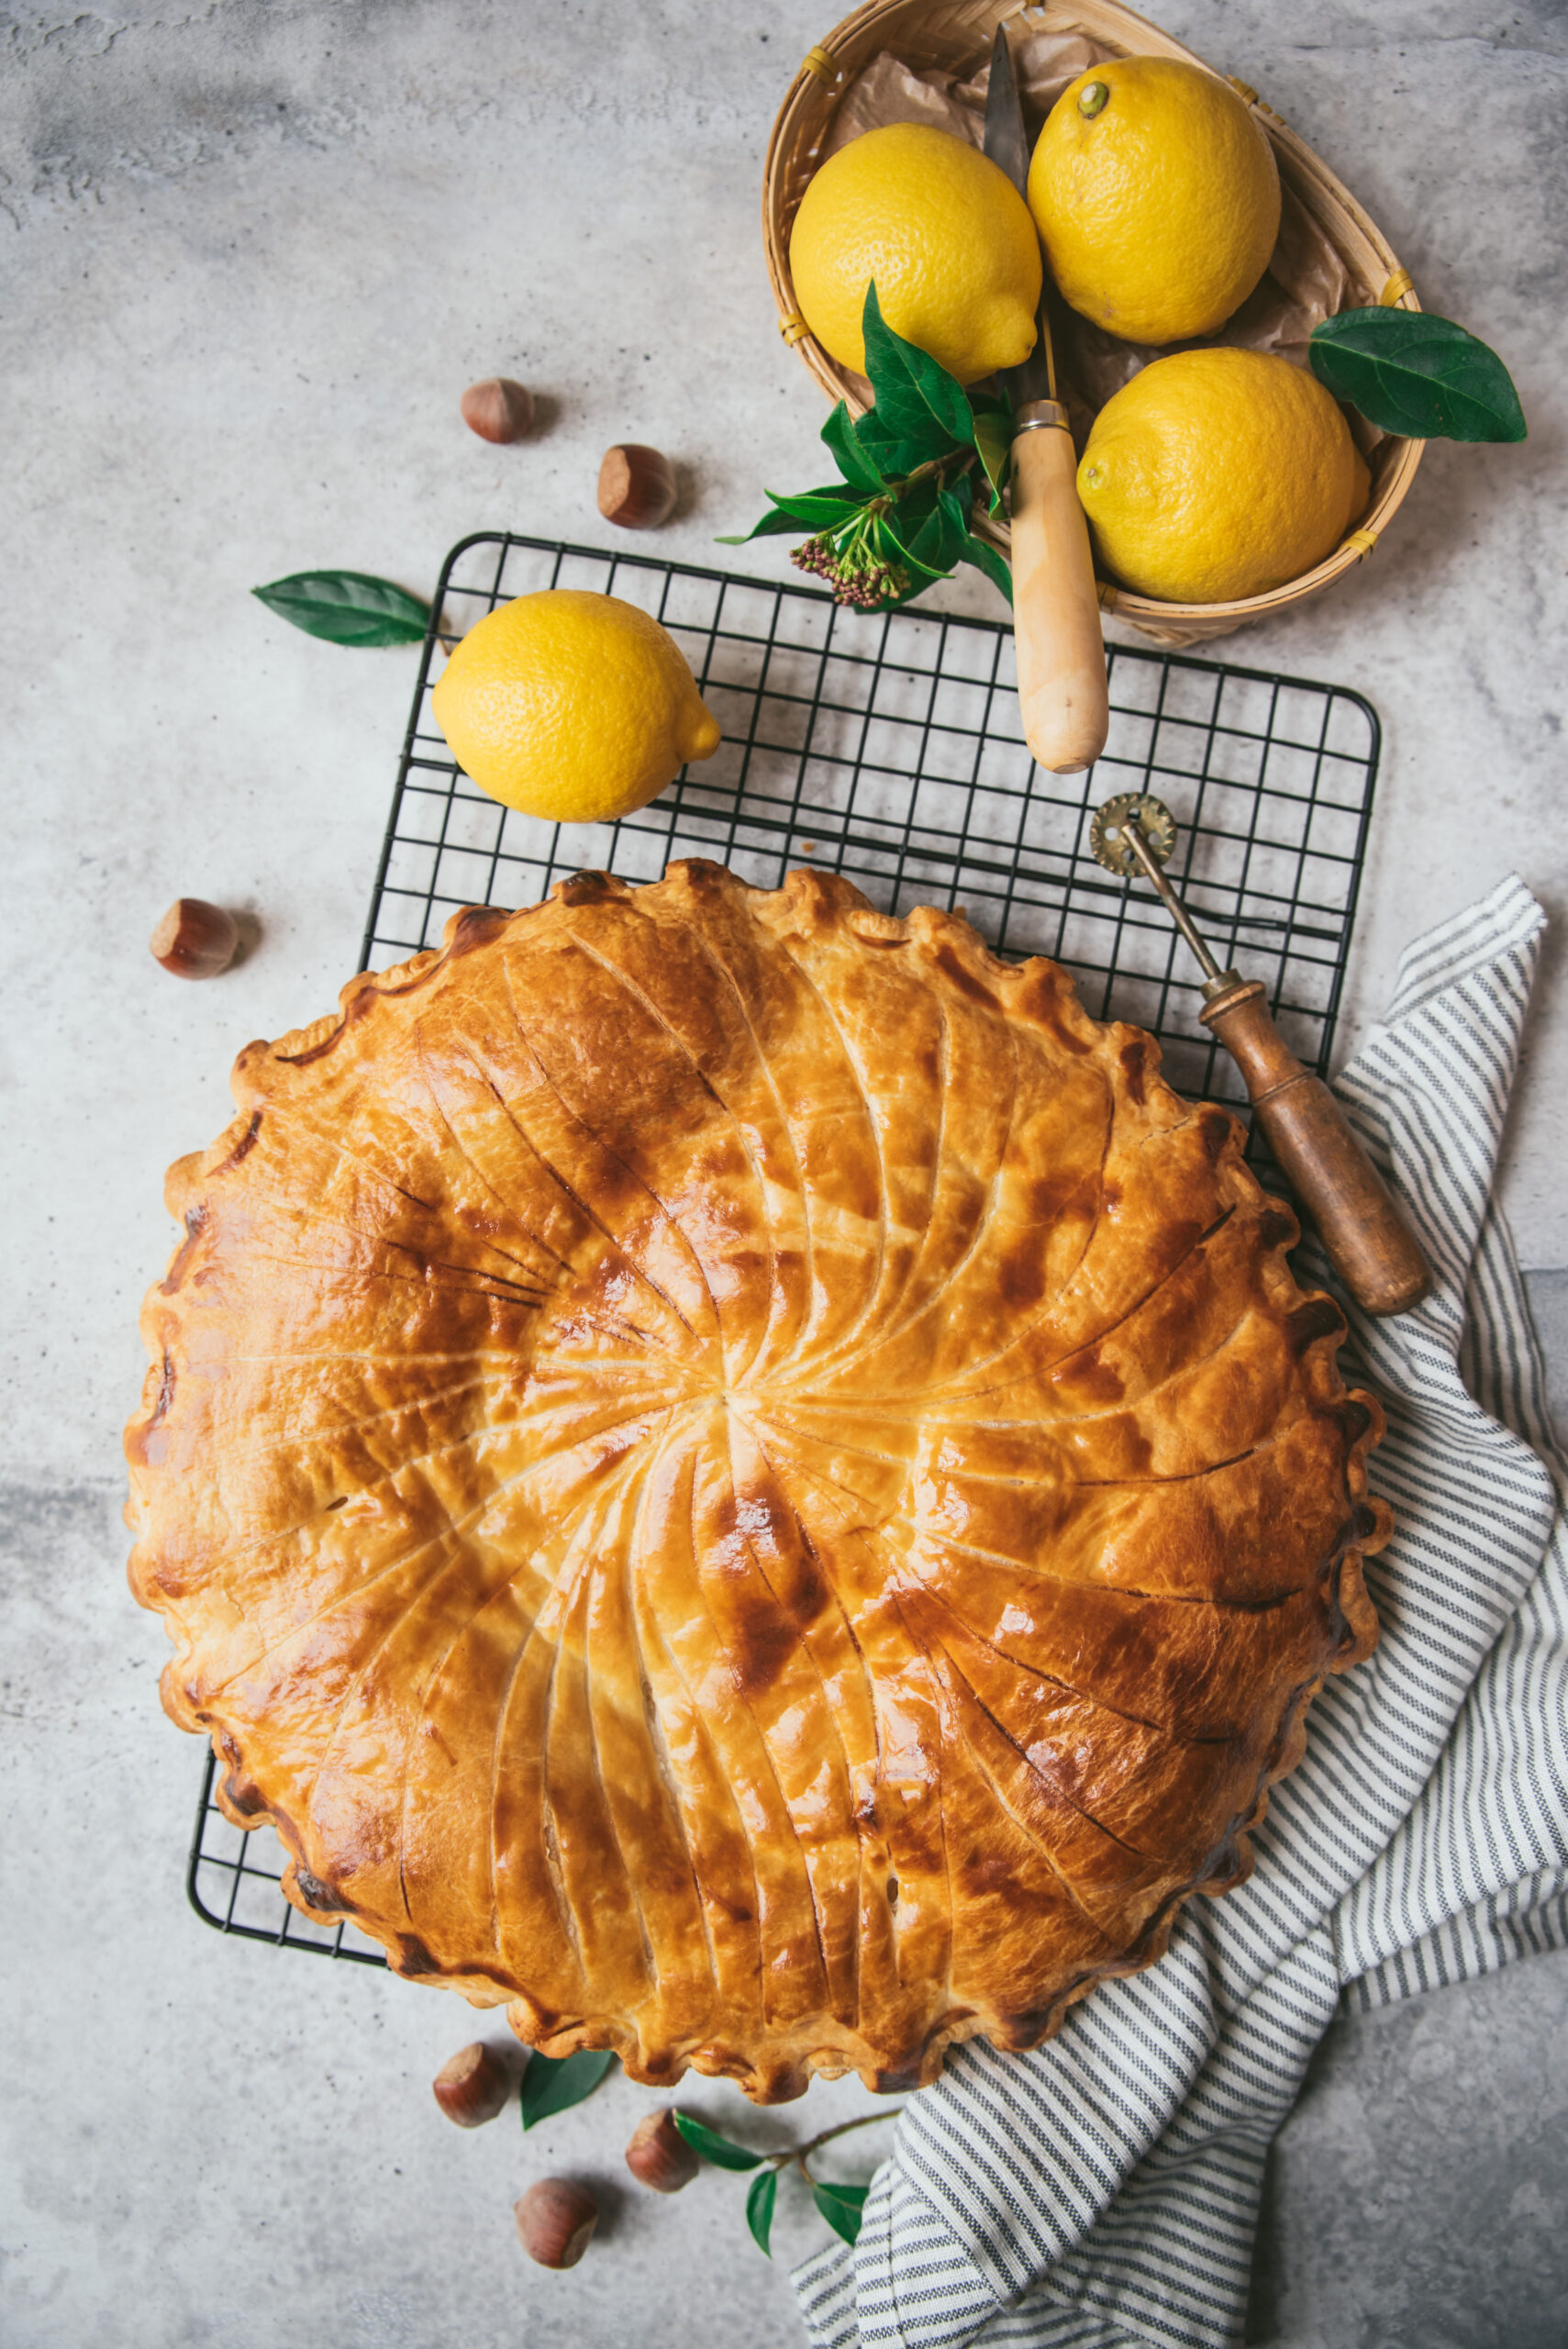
(1368, 1243)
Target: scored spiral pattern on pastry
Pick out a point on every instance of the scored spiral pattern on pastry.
(738, 1473)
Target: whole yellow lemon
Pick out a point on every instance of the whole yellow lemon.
(1157, 196)
(942, 230)
(1216, 474)
(571, 706)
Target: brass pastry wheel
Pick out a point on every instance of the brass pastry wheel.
(1369, 1244)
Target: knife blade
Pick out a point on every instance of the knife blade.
(1006, 143)
(1057, 635)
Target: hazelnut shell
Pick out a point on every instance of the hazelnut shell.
(659, 2156)
(194, 940)
(637, 486)
(472, 2086)
(555, 2219)
(498, 409)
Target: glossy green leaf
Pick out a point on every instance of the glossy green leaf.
(843, 2207)
(983, 556)
(854, 462)
(348, 608)
(935, 543)
(811, 509)
(759, 2209)
(823, 509)
(906, 541)
(890, 451)
(956, 499)
(772, 526)
(915, 396)
(553, 2083)
(715, 2148)
(994, 438)
(932, 524)
(1410, 372)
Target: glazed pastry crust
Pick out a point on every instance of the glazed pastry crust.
(739, 1475)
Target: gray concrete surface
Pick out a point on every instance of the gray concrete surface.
(1418, 2197)
(249, 255)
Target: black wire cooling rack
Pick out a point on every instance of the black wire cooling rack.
(889, 748)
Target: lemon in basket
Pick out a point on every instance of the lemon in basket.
(571, 706)
(1216, 474)
(942, 230)
(1157, 197)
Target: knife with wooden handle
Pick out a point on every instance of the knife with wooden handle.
(1056, 609)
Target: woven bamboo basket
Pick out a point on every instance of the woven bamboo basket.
(954, 37)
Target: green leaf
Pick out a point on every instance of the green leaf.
(715, 2148)
(956, 500)
(984, 557)
(899, 539)
(854, 462)
(994, 438)
(772, 526)
(348, 608)
(823, 509)
(935, 543)
(759, 2209)
(553, 2083)
(915, 396)
(1410, 372)
(928, 528)
(843, 2207)
(891, 453)
(810, 509)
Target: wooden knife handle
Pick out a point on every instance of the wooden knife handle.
(1056, 605)
(1369, 1244)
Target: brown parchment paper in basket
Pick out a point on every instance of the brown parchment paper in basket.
(1305, 282)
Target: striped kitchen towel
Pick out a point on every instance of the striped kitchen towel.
(1103, 2191)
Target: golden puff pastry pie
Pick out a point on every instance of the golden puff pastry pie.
(739, 1474)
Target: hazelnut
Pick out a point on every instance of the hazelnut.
(555, 2219)
(194, 940)
(659, 2156)
(472, 2086)
(498, 409)
(637, 487)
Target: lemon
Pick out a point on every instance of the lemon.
(1216, 474)
(571, 706)
(1157, 196)
(944, 232)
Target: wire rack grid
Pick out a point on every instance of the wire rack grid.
(889, 748)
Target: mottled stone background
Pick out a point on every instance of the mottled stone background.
(249, 255)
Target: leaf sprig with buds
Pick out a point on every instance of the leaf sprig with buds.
(912, 469)
(842, 2206)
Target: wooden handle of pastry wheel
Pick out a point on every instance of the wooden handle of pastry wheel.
(1056, 605)
(1368, 1241)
